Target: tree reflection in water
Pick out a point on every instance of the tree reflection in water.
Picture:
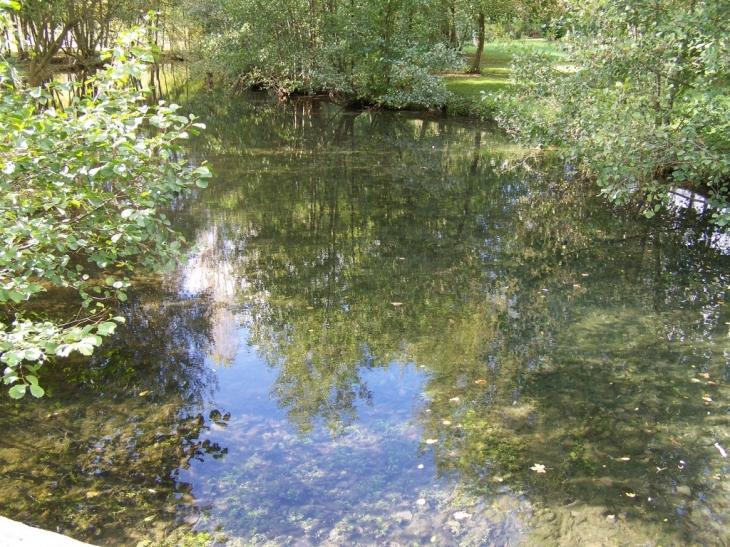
(351, 246)
(552, 328)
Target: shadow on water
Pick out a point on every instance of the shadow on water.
(100, 457)
(400, 329)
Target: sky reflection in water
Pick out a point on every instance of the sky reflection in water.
(416, 302)
(375, 292)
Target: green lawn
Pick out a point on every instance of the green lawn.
(495, 66)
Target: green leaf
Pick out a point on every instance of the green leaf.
(106, 328)
(17, 391)
(37, 391)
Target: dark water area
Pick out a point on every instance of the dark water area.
(395, 329)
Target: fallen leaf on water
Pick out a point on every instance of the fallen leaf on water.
(625, 459)
(480, 382)
(396, 304)
(538, 468)
(461, 515)
(708, 399)
(631, 494)
(431, 441)
(705, 375)
(143, 393)
(454, 399)
(446, 422)
(92, 494)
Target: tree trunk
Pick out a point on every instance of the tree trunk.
(40, 64)
(476, 65)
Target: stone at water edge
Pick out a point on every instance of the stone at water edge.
(16, 534)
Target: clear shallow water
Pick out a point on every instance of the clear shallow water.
(375, 292)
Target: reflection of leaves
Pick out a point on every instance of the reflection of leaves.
(123, 426)
(514, 354)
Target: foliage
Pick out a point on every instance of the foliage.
(642, 104)
(81, 200)
(370, 52)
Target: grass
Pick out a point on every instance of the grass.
(493, 76)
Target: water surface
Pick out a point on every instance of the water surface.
(395, 330)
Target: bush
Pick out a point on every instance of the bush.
(80, 204)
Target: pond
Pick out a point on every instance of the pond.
(395, 329)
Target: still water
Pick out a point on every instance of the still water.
(394, 330)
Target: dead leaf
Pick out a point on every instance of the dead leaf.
(396, 304)
(480, 382)
(538, 468)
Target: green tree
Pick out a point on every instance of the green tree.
(81, 201)
(370, 52)
(643, 104)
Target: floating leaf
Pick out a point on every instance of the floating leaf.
(461, 515)
(538, 468)
(480, 382)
